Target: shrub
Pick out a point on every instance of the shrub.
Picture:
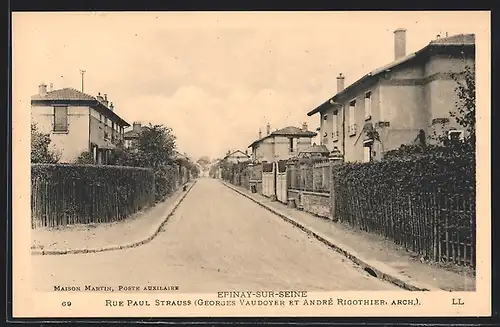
(65, 194)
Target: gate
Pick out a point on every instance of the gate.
(281, 182)
(268, 179)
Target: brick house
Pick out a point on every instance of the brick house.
(281, 144)
(77, 122)
(410, 96)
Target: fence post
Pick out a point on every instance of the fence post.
(335, 159)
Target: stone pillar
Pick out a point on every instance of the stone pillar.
(335, 158)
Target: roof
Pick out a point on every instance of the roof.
(454, 40)
(71, 94)
(246, 155)
(64, 94)
(459, 39)
(287, 131)
(131, 134)
(315, 149)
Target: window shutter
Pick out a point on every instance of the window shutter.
(60, 119)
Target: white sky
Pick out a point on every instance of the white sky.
(215, 78)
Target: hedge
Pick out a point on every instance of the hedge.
(426, 204)
(64, 194)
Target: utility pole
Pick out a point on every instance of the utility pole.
(82, 72)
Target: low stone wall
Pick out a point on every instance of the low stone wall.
(312, 202)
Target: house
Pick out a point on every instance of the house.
(237, 156)
(131, 136)
(281, 144)
(314, 151)
(77, 122)
(411, 96)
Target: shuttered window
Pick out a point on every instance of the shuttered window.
(60, 119)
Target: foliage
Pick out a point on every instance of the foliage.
(205, 162)
(166, 179)
(398, 198)
(92, 193)
(41, 150)
(85, 158)
(465, 113)
(155, 146)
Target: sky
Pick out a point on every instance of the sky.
(215, 78)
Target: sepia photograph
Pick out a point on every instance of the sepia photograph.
(251, 164)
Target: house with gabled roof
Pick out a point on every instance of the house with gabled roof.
(237, 156)
(401, 101)
(281, 144)
(77, 122)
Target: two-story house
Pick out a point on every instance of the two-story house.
(237, 156)
(281, 144)
(131, 136)
(412, 95)
(77, 122)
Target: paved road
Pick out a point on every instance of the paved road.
(217, 240)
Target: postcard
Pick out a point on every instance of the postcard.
(251, 164)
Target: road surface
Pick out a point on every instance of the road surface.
(217, 240)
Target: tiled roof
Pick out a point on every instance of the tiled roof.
(291, 130)
(71, 94)
(65, 94)
(287, 131)
(316, 149)
(456, 39)
(130, 135)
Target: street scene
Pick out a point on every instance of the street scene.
(216, 240)
(206, 153)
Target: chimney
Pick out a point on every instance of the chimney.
(51, 87)
(42, 89)
(260, 134)
(111, 106)
(105, 101)
(268, 127)
(304, 127)
(399, 43)
(340, 83)
(136, 127)
(99, 97)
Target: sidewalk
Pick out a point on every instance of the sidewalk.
(371, 250)
(135, 230)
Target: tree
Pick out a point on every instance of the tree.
(41, 150)
(155, 147)
(465, 113)
(204, 162)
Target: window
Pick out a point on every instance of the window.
(335, 132)
(368, 105)
(291, 144)
(100, 118)
(60, 119)
(352, 119)
(456, 135)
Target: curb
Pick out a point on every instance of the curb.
(374, 268)
(155, 232)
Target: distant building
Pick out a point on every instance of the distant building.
(131, 136)
(237, 156)
(314, 151)
(77, 122)
(410, 96)
(281, 144)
